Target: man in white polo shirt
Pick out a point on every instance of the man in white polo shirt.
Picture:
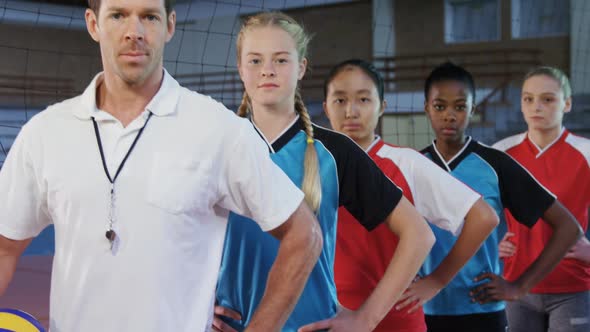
(138, 175)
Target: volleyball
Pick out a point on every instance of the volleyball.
(13, 320)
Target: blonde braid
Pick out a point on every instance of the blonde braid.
(244, 107)
(311, 186)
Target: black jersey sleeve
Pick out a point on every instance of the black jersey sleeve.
(364, 190)
(525, 198)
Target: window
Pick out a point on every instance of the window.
(472, 20)
(540, 18)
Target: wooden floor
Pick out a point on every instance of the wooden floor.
(29, 290)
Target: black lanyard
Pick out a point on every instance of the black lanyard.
(110, 233)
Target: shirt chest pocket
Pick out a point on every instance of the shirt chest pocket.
(181, 186)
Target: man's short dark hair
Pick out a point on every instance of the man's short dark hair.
(95, 6)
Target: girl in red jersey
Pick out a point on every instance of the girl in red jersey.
(560, 161)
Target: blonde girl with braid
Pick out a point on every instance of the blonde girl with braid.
(332, 171)
(311, 177)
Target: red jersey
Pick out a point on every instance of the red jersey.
(362, 257)
(563, 167)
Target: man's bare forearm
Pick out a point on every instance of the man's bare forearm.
(301, 245)
(10, 251)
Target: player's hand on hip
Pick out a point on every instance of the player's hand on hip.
(218, 324)
(497, 289)
(506, 248)
(420, 291)
(580, 250)
(345, 320)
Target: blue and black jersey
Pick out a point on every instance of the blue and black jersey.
(503, 183)
(349, 178)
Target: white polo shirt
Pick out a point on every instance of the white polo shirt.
(193, 163)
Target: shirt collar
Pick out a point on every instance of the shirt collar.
(457, 158)
(162, 104)
(375, 145)
(541, 151)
